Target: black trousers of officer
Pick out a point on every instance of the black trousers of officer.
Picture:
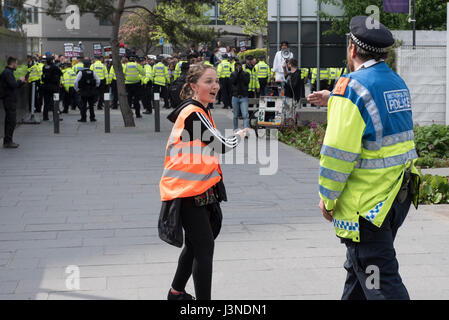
(71, 98)
(162, 90)
(85, 101)
(49, 102)
(226, 92)
(40, 97)
(114, 94)
(263, 85)
(324, 85)
(147, 97)
(100, 96)
(10, 106)
(134, 92)
(376, 250)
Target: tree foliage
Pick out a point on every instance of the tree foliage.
(251, 15)
(430, 15)
(137, 32)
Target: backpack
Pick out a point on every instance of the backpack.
(175, 90)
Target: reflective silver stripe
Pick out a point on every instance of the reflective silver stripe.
(390, 140)
(330, 194)
(386, 162)
(372, 109)
(339, 154)
(333, 175)
(189, 176)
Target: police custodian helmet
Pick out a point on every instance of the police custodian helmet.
(370, 35)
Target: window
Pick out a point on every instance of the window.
(105, 22)
(32, 15)
(214, 14)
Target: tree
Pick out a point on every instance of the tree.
(137, 32)
(251, 15)
(195, 18)
(113, 11)
(141, 31)
(430, 15)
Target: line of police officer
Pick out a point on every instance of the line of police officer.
(143, 77)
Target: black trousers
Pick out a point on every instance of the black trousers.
(134, 96)
(148, 97)
(49, 103)
(226, 92)
(162, 90)
(10, 106)
(72, 99)
(263, 85)
(40, 98)
(114, 94)
(201, 226)
(85, 101)
(374, 259)
(100, 95)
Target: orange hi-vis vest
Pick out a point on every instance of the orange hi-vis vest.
(191, 168)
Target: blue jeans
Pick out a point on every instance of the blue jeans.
(240, 105)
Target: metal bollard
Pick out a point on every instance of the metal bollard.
(157, 114)
(33, 119)
(56, 113)
(107, 112)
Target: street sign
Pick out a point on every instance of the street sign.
(161, 41)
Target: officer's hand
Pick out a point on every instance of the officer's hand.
(326, 215)
(22, 79)
(319, 98)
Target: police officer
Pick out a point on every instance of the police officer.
(263, 74)
(9, 87)
(224, 71)
(86, 84)
(100, 69)
(367, 163)
(71, 97)
(51, 78)
(161, 80)
(133, 76)
(33, 79)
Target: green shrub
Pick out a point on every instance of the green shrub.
(434, 189)
(254, 52)
(432, 141)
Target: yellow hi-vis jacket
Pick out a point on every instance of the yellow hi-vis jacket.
(369, 142)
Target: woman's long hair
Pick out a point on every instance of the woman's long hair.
(195, 72)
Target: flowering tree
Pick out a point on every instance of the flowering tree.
(138, 32)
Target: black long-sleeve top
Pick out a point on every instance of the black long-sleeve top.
(199, 127)
(10, 84)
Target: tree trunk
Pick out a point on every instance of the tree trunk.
(259, 41)
(127, 114)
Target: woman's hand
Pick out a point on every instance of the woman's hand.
(319, 98)
(242, 133)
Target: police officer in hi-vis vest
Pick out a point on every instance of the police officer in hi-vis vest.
(368, 179)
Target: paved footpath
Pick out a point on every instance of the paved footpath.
(89, 199)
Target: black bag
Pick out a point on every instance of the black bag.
(170, 224)
(175, 90)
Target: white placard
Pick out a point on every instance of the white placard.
(156, 96)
